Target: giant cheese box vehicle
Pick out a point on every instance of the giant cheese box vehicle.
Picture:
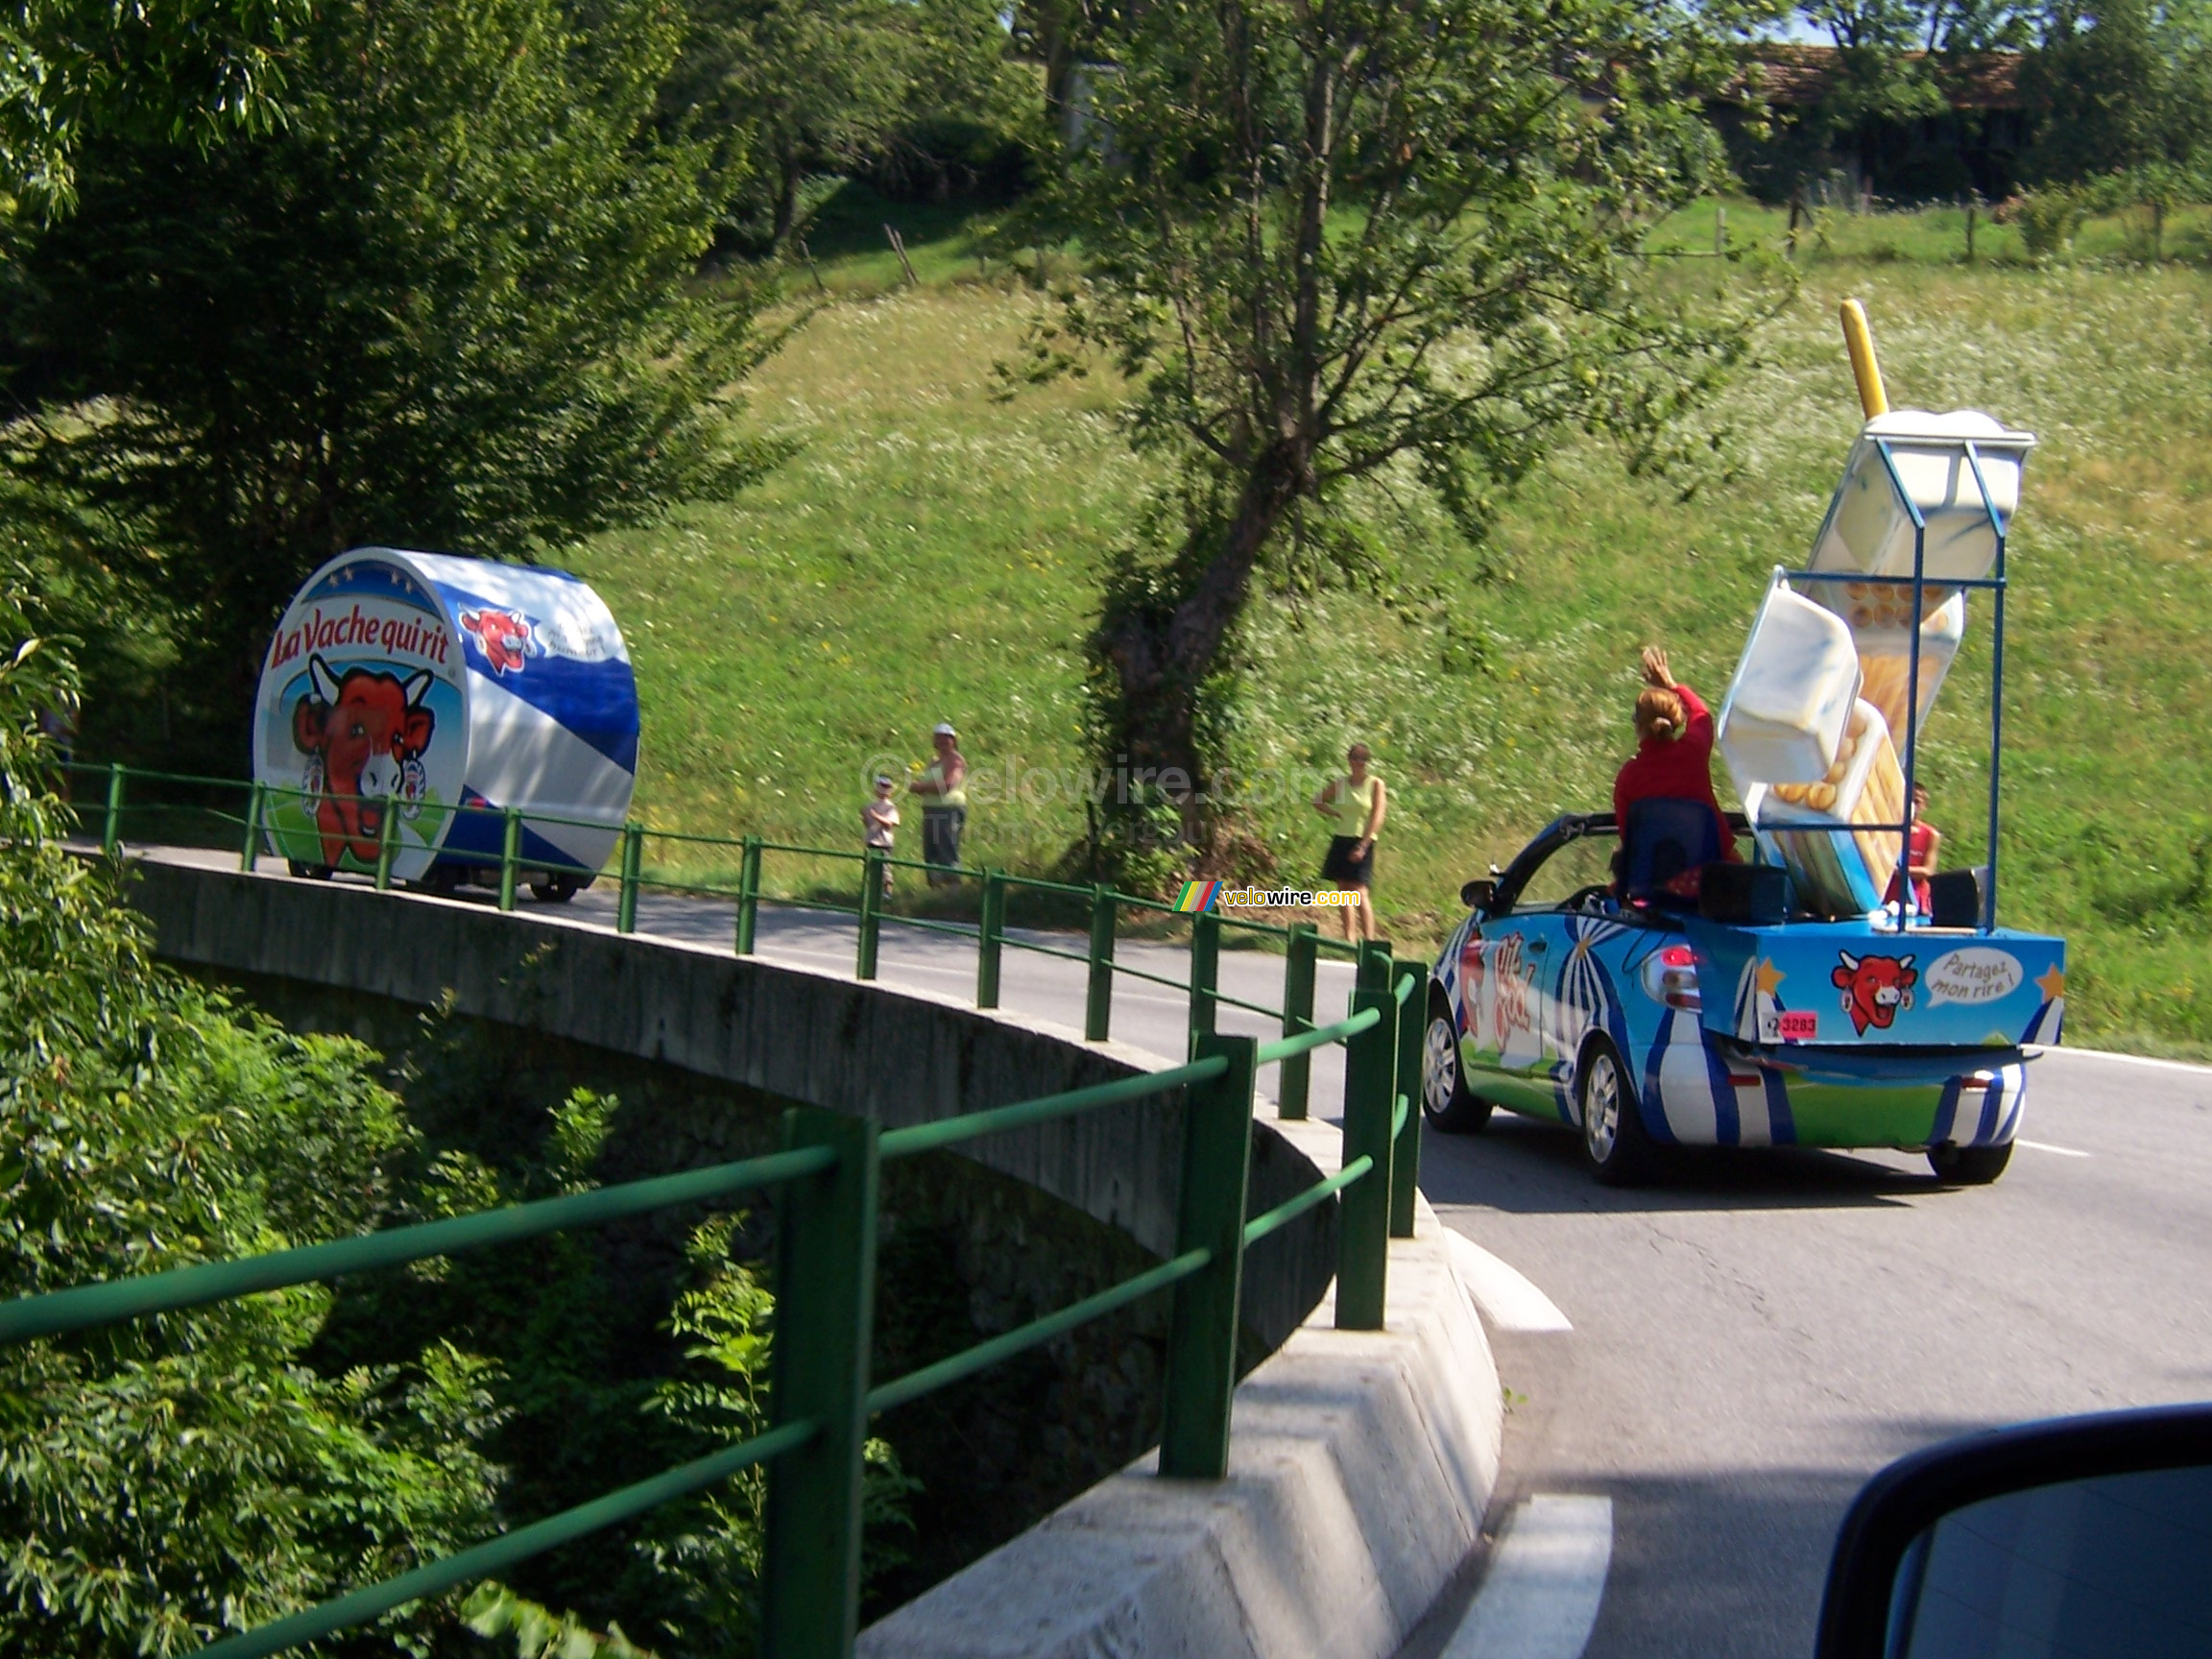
(424, 711)
(1792, 1000)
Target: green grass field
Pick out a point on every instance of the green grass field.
(930, 554)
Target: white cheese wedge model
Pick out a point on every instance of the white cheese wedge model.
(1787, 708)
(1869, 528)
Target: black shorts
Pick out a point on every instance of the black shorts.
(941, 827)
(1346, 871)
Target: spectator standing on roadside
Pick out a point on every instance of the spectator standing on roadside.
(879, 822)
(58, 725)
(942, 789)
(1356, 805)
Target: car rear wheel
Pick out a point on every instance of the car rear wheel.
(1968, 1166)
(307, 872)
(1614, 1142)
(1445, 1103)
(555, 887)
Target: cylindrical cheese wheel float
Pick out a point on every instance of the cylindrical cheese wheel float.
(457, 688)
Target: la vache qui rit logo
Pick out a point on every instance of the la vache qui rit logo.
(506, 637)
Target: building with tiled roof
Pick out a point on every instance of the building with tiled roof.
(1971, 147)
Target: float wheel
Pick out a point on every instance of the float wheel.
(1968, 1166)
(1615, 1143)
(1445, 1100)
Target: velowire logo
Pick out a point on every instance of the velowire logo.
(1198, 896)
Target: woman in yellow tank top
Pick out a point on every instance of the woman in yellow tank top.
(944, 792)
(1355, 805)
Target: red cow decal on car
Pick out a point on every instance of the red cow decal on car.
(1876, 989)
(362, 730)
(505, 638)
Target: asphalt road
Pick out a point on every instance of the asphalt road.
(1753, 1336)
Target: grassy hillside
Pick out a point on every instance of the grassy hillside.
(929, 554)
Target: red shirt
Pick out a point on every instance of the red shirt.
(1923, 895)
(1674, 769)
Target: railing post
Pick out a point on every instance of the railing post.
(256, 805)
(871, 911)
(1202, 1336)
(1205, 972)
(1406, 1144)
(111, 827)
(748, 894)
(1295, 1078)
(632, 861)
(510, 851)
(387, 842)
(1098, 1001)
(990, 938)
(1363, 1221)
(824, 1317)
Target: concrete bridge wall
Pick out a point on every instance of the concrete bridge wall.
(1360, 1463)
(805, 1035)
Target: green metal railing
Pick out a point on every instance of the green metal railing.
(1302, 944)
(825, 1179)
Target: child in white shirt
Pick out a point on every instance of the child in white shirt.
(879, 819)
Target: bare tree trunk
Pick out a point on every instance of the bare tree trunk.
(1162, 657)
(786, 196)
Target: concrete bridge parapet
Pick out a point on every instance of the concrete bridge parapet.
(1362, 1462)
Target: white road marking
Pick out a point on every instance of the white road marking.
(2046, 1146)
(1547, 1579)
(2129, 1059)
(1507, 1300)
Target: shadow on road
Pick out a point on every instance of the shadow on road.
(1529, 1168)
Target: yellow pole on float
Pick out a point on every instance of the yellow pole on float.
(1858, 341)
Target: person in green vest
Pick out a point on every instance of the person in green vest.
(944, 792)
(1355, 805)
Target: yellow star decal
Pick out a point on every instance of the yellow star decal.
(2052, 983)
(1768, 975)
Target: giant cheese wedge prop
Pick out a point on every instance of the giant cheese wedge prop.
(1812, 748)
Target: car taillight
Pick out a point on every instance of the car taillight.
(1671, 976)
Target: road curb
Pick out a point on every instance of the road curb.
(1360, 1466)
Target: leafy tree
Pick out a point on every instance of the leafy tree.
(173, 1479)
(448, 301)
(1059, 35)
(2118, 87)
(816, 86)
(1891, 25)
(811, 85)
(176, 1478)
(1359, 249)
(1943, 26)
(1955, 26)
(158, 69)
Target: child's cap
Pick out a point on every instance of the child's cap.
(944, 729)
(882, 780)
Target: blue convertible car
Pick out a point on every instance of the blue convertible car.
(1713, 1021)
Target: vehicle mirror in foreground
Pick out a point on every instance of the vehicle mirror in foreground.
(2088, 1535)
(1478, 893)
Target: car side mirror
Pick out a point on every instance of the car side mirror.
(2085, 1535)
(1477, 893)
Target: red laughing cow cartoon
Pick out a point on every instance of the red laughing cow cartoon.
(1876, 989)
(362, 730)
(505, 638)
